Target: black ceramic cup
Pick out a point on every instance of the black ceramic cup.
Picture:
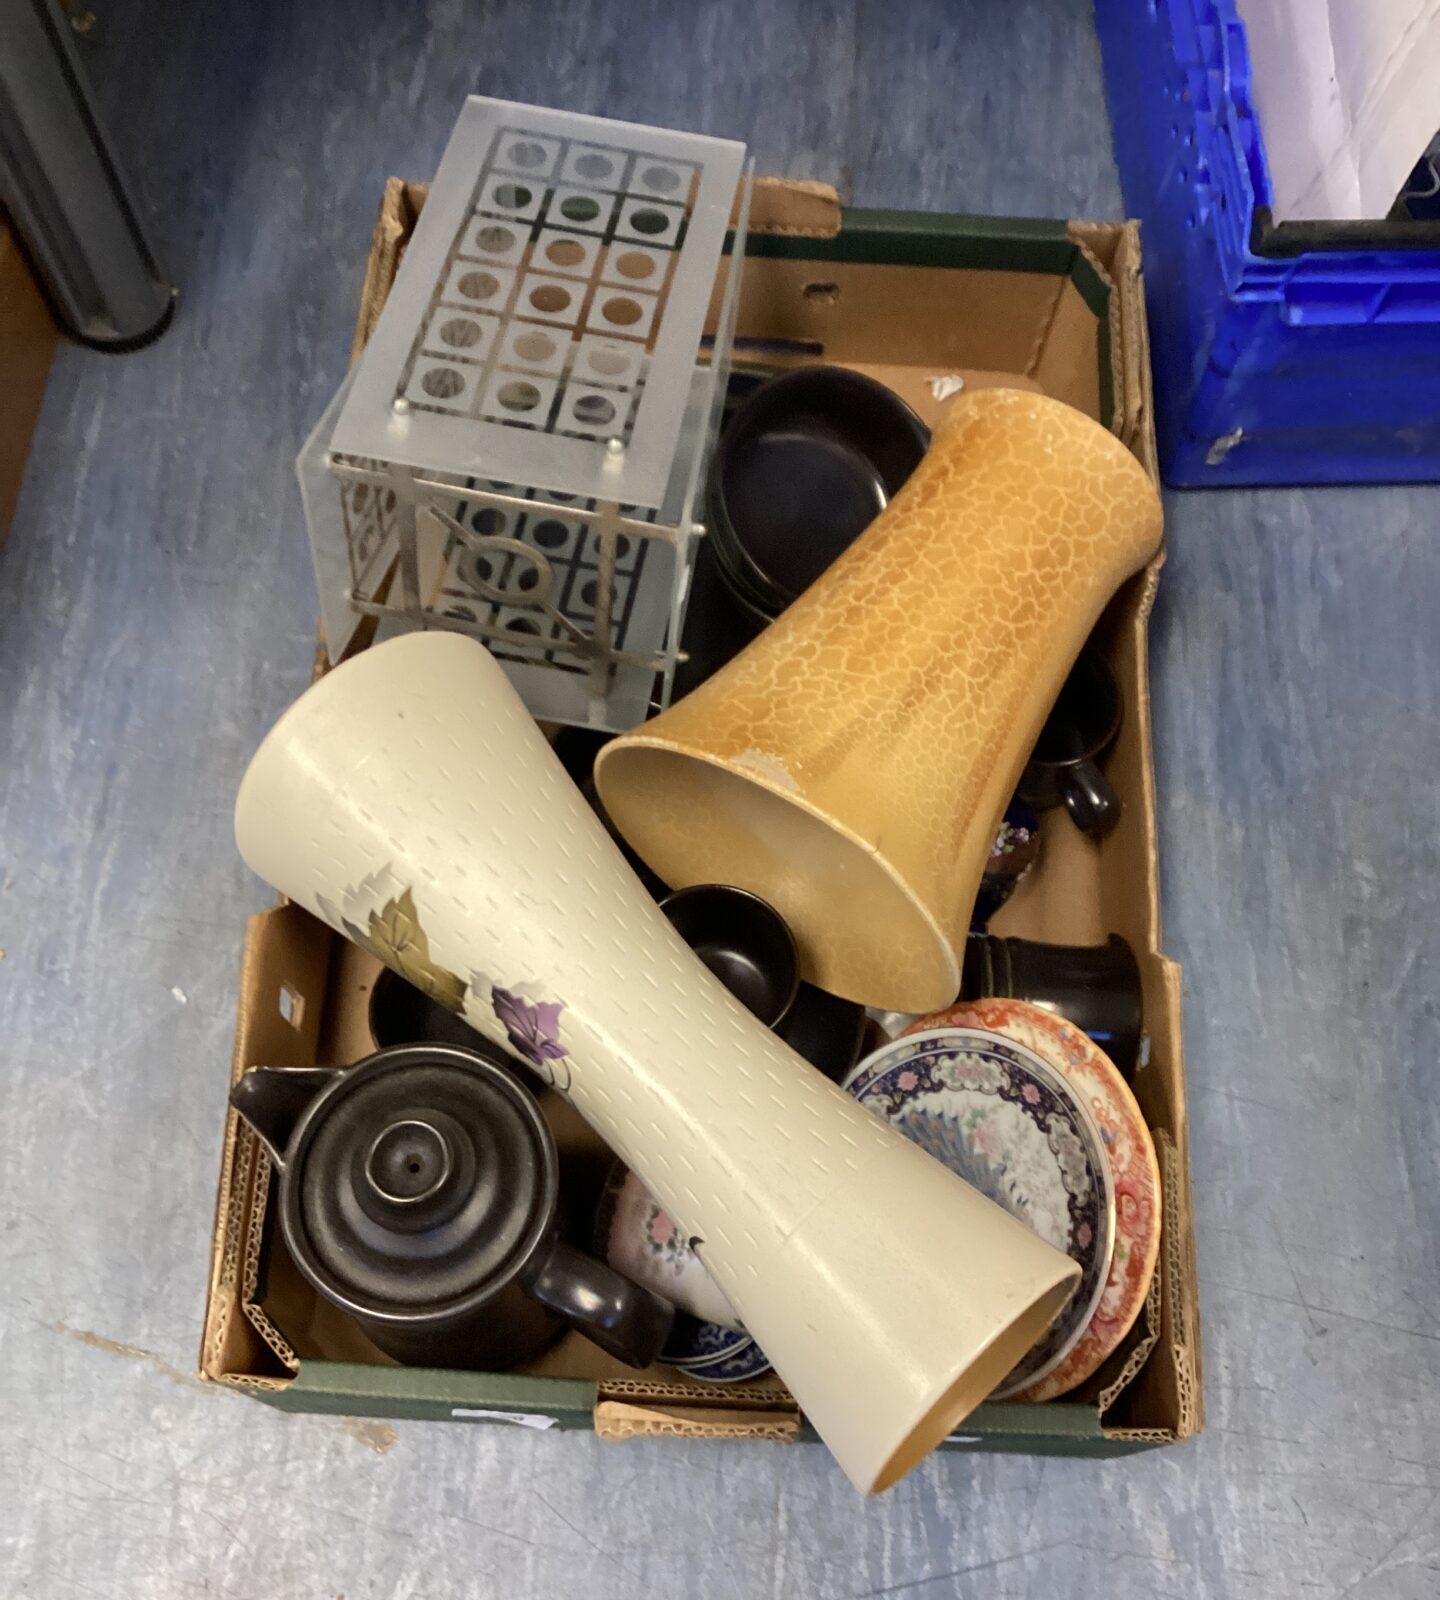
(1064, 767)
(804, 466)
(419, 1191)
(743, 941)
(1097, 987)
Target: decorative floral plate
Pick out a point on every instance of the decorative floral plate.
(1134, 1172)
(999, 1116)
(711, 1353)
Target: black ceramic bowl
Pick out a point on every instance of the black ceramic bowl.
(401, 1014)
(804, 466)
(743, 941)
(828, 1031)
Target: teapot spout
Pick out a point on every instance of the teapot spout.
(272, 1099)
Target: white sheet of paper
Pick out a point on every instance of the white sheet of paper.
(1348, 96)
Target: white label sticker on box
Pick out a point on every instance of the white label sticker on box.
(521, 1419)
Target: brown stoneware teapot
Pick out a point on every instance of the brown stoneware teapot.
(418, 1192)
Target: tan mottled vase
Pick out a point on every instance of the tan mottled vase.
(410, 801)
(852, 764)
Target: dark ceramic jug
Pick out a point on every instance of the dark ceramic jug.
(1097, 987)
(419, 1192)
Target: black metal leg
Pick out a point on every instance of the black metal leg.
(65, 195)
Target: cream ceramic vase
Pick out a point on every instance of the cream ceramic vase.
(851, 766)
(409, 800)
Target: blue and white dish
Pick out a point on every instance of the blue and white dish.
(710, 1353)
(1007, 1122)
(746, 1361)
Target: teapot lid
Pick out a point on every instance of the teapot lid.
(418, 1183)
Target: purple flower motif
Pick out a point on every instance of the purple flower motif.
(533, 1028)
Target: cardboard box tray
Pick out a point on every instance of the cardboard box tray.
(1052, 306)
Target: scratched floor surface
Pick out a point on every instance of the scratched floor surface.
(157, 613)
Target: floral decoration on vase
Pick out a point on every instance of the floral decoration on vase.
(391, 932)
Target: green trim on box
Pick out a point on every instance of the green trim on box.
(426, 1394)
(1064, 1419)
(1062, 1429)
(423, 1394)
(930, 239)
(1105, 376)
(1092, 287)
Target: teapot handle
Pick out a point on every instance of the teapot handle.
(272, 1100)
(625, 1320)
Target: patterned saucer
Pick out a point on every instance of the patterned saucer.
(640, 1241)
(999, 1116)
(711, 1353)
(1134, 1171)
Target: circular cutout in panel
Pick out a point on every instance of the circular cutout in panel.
(565, 252)
(512, 196)
(533, 346)
(550, 298)
(495, 238)
(622, 548)
(443, 383)
(527, 580)
(525, 153)
(359, 495)
(608, 363)
(579, 208)
(522, 625)
(589, 594)
(593, 410)
(517, 395)
(663, 180)
(635, 266)
(550, 534)
(649, 221)
(594, 166)
(460, 613)
(388, 503)
(479, 285)
(622, 311)
(489, 520)
(475, 568)
(460, 333)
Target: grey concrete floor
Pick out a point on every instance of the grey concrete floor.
(157, 613)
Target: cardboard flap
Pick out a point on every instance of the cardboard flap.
(1168, 1383)
(790, 206)
(280, 1004)
(616, 1420)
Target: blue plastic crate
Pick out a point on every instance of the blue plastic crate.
(1290, 353)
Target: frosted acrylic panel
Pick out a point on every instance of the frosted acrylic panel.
(551, 301)
(352, 539)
